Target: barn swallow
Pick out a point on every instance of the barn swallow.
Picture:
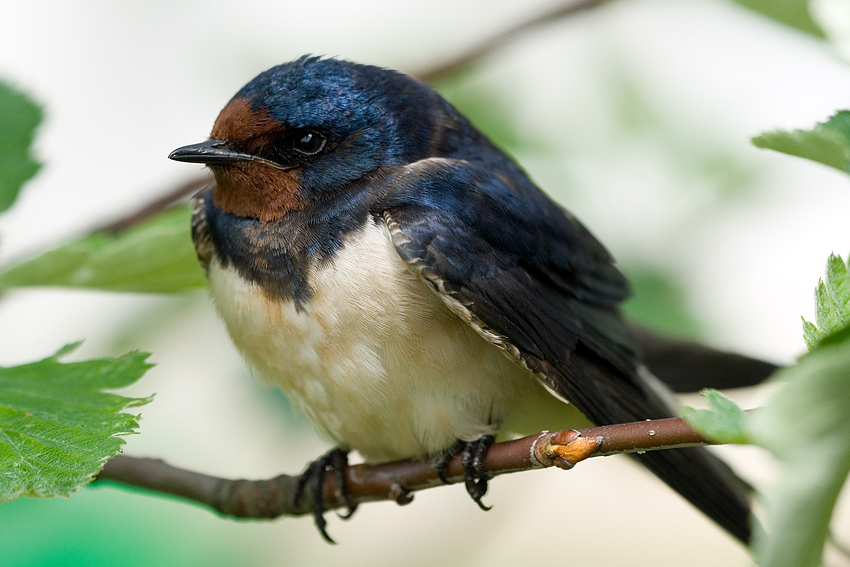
(405, 282)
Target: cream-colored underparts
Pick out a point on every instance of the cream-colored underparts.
(377, 360)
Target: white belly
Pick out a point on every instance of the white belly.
(376, 360)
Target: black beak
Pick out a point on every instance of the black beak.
(211, 152)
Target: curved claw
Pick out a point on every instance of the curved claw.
(472, 454)
(334, 462)
(475, 477)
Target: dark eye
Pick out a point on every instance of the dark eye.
(308, 142)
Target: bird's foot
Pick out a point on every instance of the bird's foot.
(334, 462)
(472, 455)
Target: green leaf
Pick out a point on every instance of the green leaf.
(827, 143)
(19, 116)
(722, 422)
(811, 334)
(155, 257)
(794, 13)
(832, 303)
(57, 425)
(805, 424)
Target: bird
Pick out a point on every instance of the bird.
(406, 283)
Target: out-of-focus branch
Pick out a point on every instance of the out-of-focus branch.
(174, 196)
(396, 481)
(486, 46)
(494, 42)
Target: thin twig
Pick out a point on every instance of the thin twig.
(396, 481)
(174, 196)
(504, 37)
(478, 51)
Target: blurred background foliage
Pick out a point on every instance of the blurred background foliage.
(634, 114)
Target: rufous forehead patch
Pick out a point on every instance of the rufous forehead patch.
(238, 122)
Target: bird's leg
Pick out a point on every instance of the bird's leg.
(441, 461)
(475, 478)
(472, 455)
(333, 461)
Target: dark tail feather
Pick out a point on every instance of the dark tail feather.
(608, 397)
(707, 483)
(687, 366)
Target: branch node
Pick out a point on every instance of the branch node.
(564, 449)
(399, 480)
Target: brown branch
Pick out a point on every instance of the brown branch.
(184, 190)
(395, 481)
(174, 196)
(504, 37)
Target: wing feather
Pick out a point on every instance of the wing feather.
(535, 283)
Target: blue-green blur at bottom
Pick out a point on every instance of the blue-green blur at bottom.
(104, 526)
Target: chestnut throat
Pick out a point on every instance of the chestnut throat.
(256, 190)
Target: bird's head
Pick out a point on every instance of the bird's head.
(312, 126)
